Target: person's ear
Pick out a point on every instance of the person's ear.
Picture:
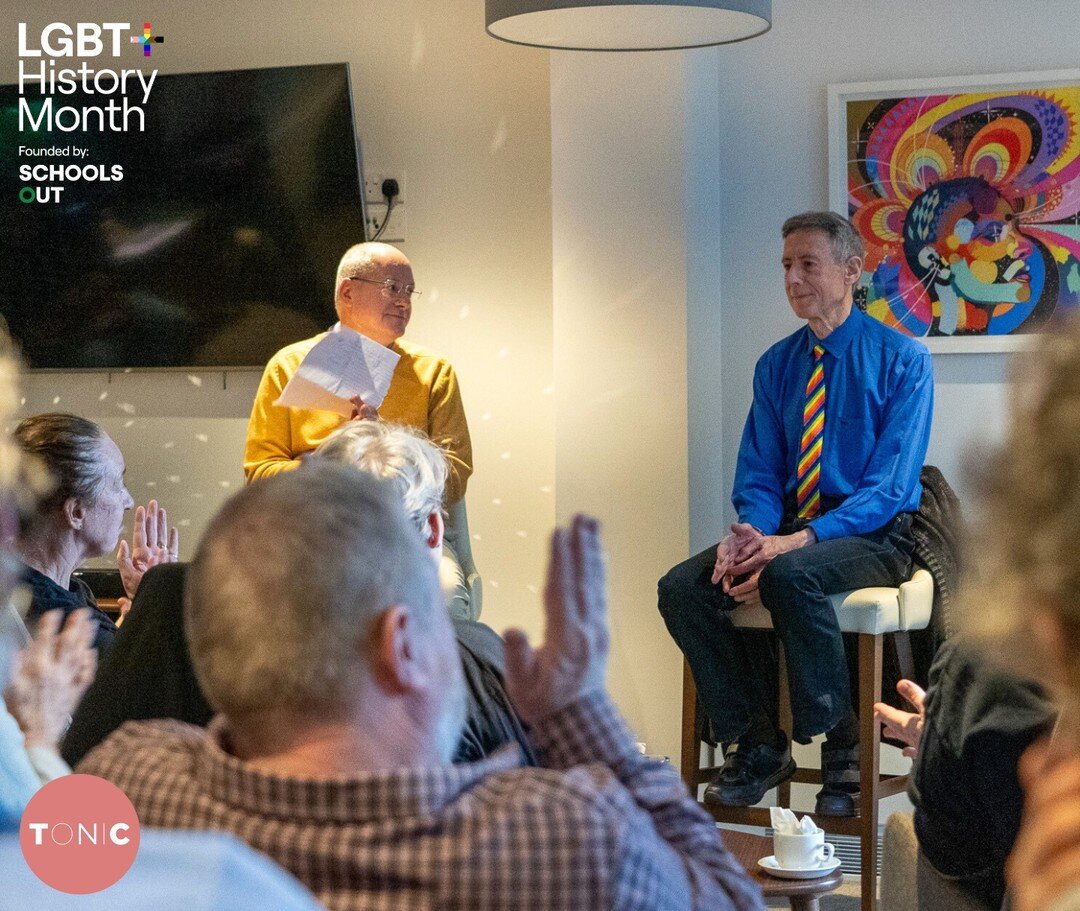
(74, 512)
(343, 299)
(436, 530)
(853, 270)
(398, 663)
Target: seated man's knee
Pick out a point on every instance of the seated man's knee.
(670, 592)
(782, 577)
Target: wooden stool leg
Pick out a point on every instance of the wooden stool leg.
(869, 759)
(783, 792)
(691, 746)
(901, 641)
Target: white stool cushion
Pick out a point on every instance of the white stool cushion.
(866, 610)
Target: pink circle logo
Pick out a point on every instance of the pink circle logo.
(79, 834)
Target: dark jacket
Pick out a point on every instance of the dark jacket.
(148, 674)
(46, 595)
(967, 797)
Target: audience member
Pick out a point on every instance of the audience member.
(1027, 602)
(147, 672)
(418, 469)
(83, 517)
(374, 291)
(970, 728)
(317, 630)
(825, 486)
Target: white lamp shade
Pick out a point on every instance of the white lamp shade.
(627, 25)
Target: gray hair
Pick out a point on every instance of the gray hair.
(281, 596)
(69, 447)
(406, 457)
(843, 237)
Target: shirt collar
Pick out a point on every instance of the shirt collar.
(836, 342)
(388, 794)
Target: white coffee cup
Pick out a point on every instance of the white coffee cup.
(802, 852)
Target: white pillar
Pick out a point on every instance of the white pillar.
(628, 135)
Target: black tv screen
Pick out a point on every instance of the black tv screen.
(218, 245)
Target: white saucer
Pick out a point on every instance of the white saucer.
(770, 866)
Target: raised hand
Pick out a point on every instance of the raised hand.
(152, 542)
(51, 674)
(572, 662)
(904, 726)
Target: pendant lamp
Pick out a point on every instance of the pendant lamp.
(626, 25)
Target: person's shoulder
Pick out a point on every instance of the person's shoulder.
(420, 354)
(157, 744)
(582, 798)
(292, 355)
(905, 347)
(780, 352)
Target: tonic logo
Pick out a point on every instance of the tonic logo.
(146, 39)
(79, 834)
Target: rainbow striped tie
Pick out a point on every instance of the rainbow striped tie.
(809, 471)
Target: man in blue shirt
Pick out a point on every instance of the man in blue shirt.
(825, 485)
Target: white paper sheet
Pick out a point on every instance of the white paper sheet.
(344, 364)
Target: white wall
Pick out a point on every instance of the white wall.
(772, 164)
(467, 120)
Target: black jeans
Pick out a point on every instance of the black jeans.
(736, 670)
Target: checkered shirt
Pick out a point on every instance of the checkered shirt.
(598, 827)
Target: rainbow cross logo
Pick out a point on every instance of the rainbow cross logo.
(146, 39)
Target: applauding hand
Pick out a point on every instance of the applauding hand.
(152, 542)
(51, 674)
(572, 662)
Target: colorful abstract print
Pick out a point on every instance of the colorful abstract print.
(969, 206)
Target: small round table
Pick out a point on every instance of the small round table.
(803, 894)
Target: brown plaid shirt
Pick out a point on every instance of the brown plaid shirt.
(599, 827)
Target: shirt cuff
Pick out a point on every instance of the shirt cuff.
(826, 527)
(766, 524)
(588, 730)
(47, 763)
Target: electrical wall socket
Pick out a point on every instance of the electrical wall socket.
(373, 182)
(395, 231)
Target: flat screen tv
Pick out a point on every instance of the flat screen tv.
(217, 246)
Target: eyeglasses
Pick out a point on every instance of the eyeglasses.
(393, 288)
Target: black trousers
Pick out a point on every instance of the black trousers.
(736, 671)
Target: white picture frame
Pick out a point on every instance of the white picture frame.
(904, 305)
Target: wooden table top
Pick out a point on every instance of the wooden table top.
(749, 849)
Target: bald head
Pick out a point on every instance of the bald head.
(365, 297)
(364, 260)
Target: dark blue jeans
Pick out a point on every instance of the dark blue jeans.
(736, 670)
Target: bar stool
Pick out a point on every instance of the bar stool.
(872, 614)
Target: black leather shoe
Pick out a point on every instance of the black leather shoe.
(749, 771)
(839, 794)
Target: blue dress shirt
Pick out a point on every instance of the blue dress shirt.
(879, 400)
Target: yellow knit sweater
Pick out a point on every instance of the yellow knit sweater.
(423, 394)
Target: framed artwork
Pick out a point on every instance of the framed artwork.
(966, 193)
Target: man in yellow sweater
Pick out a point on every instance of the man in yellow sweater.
(374, 292)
